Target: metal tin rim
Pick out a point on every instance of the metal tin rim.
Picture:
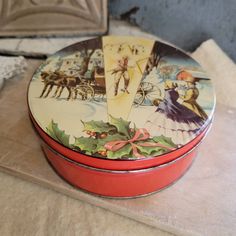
(126, 197)
(207, 124)
(127, 171)
(206, 128)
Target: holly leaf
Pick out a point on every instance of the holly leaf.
(151, 151)
(164, 140)
(57, 134)
(157, 153)
(121, 125)
(98, 126)
(115, 137)
(123, 152)
(88, 145)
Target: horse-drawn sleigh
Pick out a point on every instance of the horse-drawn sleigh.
(92, 88)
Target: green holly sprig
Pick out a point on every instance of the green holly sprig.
(99, 133)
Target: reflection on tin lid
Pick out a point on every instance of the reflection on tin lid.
(121, 98)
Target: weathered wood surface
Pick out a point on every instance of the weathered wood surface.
(201, 203)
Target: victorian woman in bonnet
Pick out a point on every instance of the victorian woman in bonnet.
(173, 119)
(191, 94)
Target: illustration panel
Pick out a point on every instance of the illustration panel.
(68, 89)
(175, 96)
(125, 61)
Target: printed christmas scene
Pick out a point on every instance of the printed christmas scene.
(112, 98)
(175, 96)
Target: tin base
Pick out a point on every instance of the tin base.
(119, 164)
(119, 184)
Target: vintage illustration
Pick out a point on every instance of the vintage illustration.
(81, 72)
(70, 86)
(125, 61)
(120, 98)
(175, 95)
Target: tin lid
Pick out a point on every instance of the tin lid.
(121, 98)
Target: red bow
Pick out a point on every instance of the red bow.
(140, 135)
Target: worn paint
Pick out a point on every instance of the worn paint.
(184, 23)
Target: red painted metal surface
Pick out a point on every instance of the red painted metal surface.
(117, 164)
(119, 183)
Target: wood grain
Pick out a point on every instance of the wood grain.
(203, 198)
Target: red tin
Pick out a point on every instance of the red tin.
(110, 183)
(123, 110)
(118, 164)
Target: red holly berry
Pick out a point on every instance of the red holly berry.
(88, 132)
(103, 153)
(103, 135)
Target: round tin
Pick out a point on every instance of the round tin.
(116, 108)
(119, 184)
(118, 164)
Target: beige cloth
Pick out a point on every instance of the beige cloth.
(11, 67)
(27, 209)
(221, 69)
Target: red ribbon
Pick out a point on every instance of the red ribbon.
(140, 135)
